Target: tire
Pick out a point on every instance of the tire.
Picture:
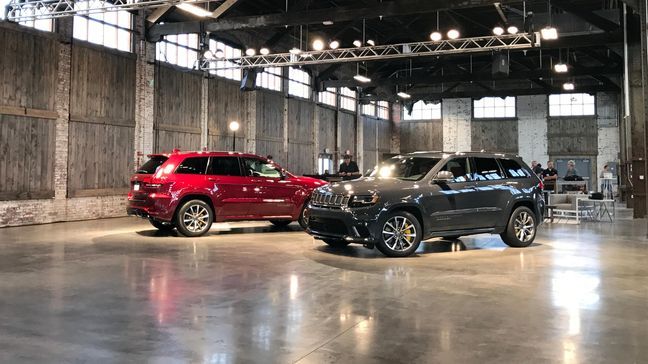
(303, 216)
(400, 228)
(521, 228)
(336, 243)
(452, 237)
(194, 218)
(162, 226)
(280, 223)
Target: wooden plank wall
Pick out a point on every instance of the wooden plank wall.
(421, 135)
(177, 109)
(495, 135)
(226, 103)
(347, 132)
(301, 146)
(270, 126)
(102, 121)
(370, 141)
(27, 115)
(327, 117)
(572, 136)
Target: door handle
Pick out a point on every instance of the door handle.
(511, 183)
(211, 179)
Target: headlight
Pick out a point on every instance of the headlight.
(364, 200)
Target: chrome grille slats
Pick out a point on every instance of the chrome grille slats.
(329, 200)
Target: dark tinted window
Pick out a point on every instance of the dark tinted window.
(224, 166)
(512, 169)
(152, 165)
(195, 165)
(259, 168)
(411, 169)
(460, 169)
(487, 169)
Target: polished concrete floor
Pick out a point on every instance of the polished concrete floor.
(118, 291)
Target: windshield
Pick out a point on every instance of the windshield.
(405, 168)
(152, 165)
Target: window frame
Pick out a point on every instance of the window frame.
(469, 165)
(187, 47)
(385, 107)
(300, 84)
(503, 169)
(204, 173)
(278, 79)
(263, 161)
(373, 106)
(515, 108)
(326, 91)
(238, 163)
(347, 97)
(407, 117)
(235, 74)
(594, 115)
(473, 161)
(86, 21)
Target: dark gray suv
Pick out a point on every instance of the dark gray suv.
(418, 196)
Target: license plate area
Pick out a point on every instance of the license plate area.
(136, 187)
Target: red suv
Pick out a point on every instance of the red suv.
(190, 190)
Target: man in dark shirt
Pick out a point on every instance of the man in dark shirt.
(349, 168)
(550, 175)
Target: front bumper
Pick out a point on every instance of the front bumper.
(350, 224)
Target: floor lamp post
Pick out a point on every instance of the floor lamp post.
(234, 126)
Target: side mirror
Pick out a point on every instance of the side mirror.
(444, 176)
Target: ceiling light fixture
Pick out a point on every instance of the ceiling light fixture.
(498, 30)
(371, 42)
(209, 55)
(560, 68)
(361, 78)
(357, 43)
(549, 33)
(453, 34)
(318, 44)
(193, 9)
(334, 44)
(264, 51)
(436, 36)
(568, 86)
(295, 50)
(512, 29)
(250, 52)
(327, 22)
(219, 54)
(404, 95)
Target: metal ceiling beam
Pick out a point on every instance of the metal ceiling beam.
(20, 10)
(223, 8)
(380, 52)
(424, 78)
(317, 16)
(590, 17)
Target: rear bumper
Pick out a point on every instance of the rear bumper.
(353, 225)
(156, 209)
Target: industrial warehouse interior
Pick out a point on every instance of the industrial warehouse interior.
(319, 181)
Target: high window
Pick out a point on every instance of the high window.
(494, 107)
(270, 78)
(112, 29)
(369, 109)
(424, 111)
(382, 110)
(299, 83)
(572, 105)
(347, 99)
(41, 24)
(181, 50)
(328, 97)
(228, 53)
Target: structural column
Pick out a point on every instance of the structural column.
(62, 109)
(144, 93)
(396, 117)
(457, 118)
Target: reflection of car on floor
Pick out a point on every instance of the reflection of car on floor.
(190, 190)
(418, 196)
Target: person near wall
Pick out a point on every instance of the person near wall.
(538, 169)
(606, 183)
(349, 168)
(572, 172)
(550, 176)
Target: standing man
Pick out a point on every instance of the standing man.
(349, 168)
(550, 176)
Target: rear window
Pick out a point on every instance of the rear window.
(486, 169)
(194, 165)
(512, 169)
(152, 165)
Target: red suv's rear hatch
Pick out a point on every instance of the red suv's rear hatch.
(141, 182)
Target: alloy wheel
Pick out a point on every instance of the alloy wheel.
(524, 227)
(399, 233)
(196, 218)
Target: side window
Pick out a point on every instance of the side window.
(460, 169)
(487, 169)
(194, 165)
(258, 168)
(224, 166)
(512, 169)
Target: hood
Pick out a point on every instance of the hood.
(369, 186)
(309, 181)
